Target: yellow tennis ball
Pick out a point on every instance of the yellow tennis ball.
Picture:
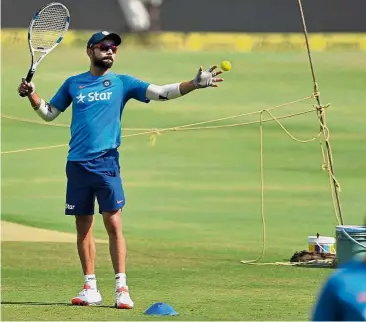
(226, 65)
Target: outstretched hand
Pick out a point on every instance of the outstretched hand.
(207, 78)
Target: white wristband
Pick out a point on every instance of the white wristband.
(47, 112)
(163, 93)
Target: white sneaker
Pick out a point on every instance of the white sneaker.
(88, 296)
(123, 299)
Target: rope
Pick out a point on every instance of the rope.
(14, 118)
(321, 115)
(185, 127)
(261, 158)
(35, 149)
(193, 126)
(326, 153)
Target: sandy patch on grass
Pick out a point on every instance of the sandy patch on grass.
(16, 232)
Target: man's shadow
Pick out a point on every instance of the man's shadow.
(47, 303)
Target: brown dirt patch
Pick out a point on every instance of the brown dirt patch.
(16, 232)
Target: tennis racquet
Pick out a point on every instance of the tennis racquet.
(46, 30)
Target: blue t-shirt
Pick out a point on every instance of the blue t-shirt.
(343, 297)
(97, 106)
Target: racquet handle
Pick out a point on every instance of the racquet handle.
(29, 76)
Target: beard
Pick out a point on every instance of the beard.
(104, 63)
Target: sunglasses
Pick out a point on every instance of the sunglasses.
(105, 48)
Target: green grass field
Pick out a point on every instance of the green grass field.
(193, 199)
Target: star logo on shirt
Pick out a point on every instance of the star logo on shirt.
(80, 98)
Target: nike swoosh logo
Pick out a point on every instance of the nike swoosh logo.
(82, 86)
(163, 98)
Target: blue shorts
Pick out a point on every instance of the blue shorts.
(95, 179)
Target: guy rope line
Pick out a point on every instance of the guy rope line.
(322, 118)
(184, 127)
(327, 154)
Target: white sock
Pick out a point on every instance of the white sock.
(120, 280)
(90, 280)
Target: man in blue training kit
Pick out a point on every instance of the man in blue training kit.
(343, 296)
(98, 98)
